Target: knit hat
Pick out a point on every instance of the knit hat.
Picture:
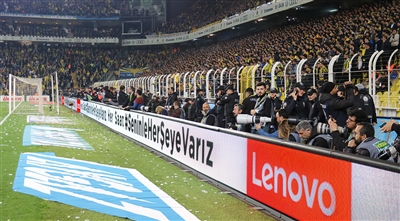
(327, 87)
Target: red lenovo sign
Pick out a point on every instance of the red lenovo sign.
(300, 184)
(37, 98)
(7, 98)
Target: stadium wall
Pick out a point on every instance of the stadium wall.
(299, 181)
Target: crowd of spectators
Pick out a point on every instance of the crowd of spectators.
(101, 32)
(56, 30)
(206, 12)
(40, 30)
(361, 30)
(336, 117)
(89, 66)
(93, 8)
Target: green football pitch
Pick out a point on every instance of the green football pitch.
(202, 199)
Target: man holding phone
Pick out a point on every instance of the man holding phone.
(296, 104)
(335, 106)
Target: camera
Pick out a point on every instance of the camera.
(392, 151)
(249, 119)
(145, 108)
(323, 128)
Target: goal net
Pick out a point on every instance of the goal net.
(25, 95)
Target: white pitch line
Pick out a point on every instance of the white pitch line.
(1, 122)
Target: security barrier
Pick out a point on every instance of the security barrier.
(300, 181)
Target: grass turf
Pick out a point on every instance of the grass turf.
(202, 199)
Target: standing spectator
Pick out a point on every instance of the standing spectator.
(296, 104)
(363, 101)
(332, 105)
(172, 97)
(130, 98)
(316, 111)
(199, 104)
(122, 96)
(249, 100)
(263, 107)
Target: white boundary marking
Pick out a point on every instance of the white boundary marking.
(1, 122)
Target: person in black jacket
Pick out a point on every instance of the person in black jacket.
(264, 107)
(228, 101)
(185, 107)
(249, 101)
(311, 137)
(172, 97)
(153, 104)
(340, 141)
(296, 103)
(122, 96)
(316, 111)
(334, 106)
(363, 100)
(209, 116)
(199, 104)
(131, 98)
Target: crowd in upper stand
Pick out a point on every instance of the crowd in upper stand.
(89, 65)
(56, 30)
(361, 30)
(206, 12)
(92, 8)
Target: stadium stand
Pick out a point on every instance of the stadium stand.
(98, 8)
(216, 10)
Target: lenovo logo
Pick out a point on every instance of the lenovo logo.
(295, 184)
(300, 184)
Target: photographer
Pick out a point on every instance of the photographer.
(393, 125)
(238, 109)
(296, 104)
(340, 141)
(284, 131)
(263, 107)
(249, 101)
(311, 137)
(335, 106)
(365, 143)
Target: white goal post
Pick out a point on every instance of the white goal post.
(27, 93)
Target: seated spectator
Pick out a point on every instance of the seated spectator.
(176, 110)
